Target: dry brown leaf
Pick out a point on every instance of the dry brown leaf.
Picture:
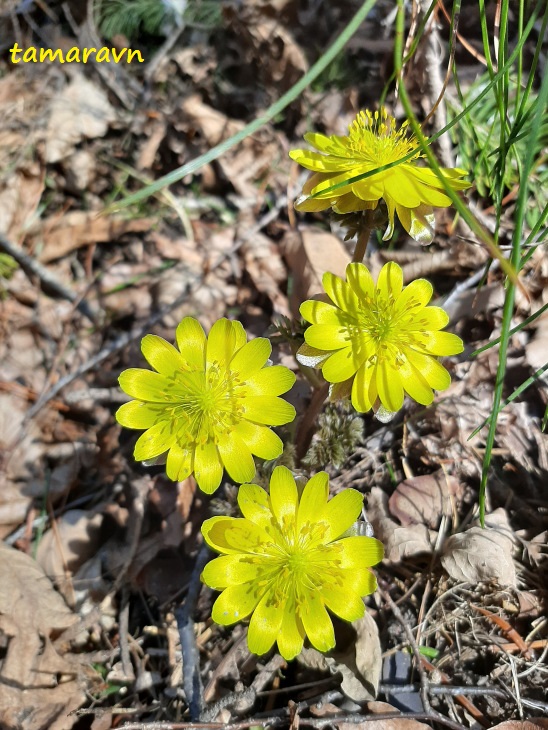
(264, 265)
(479, 554)
(536, 350)
(535, 724)
(82, 110)
(246, 164)
(359, 662)
(310, 253)
(56, 237)
(74, 540)
(38, 684)
(399, 542)
(267, 37)
(424, 499)
(19, 200)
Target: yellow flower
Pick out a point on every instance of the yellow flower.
(288, 560)
(373, 141)
(378, 341)
(209, 403)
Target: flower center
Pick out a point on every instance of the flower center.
(208, 405)
(373, 139)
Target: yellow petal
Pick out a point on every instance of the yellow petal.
(311, 205)
(361, 281)
(430, 318)
(333, 144)
(191, 341)
(236, 458)
(153, 442)
(340, 293)
(359, 552)
(260, 440)
(291, 636)
(273, 380)
(208, 469)
(180, 463)
(390, 281)
(418, 224)
(431, 370)
(370, 189)
(265, 624)
(415, 296)
(268, 409)
(161, 355)
(364, 388)
(316, 622)
(318, 162)
(251, 357)
(389, 386)
(403, 188)
(222, 342)
(230, 535)
(255, 504)
(137, 414)
(313, 500)
(343, 364)
(327, 336)
(214, 533)
(317, 312)
(349, 203)
(235, 603)
(229, 570)
(283, 495)
(442, 343)
(415, 384)
(147, 386)
(347, 605)
(341, 512)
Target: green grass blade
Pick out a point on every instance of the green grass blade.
(513, 331)
(516, 393)
(508, 309)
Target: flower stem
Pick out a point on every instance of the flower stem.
(363, 236)
(309, 421)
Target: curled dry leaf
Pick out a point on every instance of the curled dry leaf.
(399, 542)
(82, 110)
(424, 499)
(479, 554)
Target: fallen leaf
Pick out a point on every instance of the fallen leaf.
(399, 542)
(81, 110)
(56, 237)
(357, 657)
(39, 685)
(310, 253)
(535, 724)
(75, 539)
(424, 499)
(480, 554)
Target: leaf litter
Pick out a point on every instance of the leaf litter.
(96, 553)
